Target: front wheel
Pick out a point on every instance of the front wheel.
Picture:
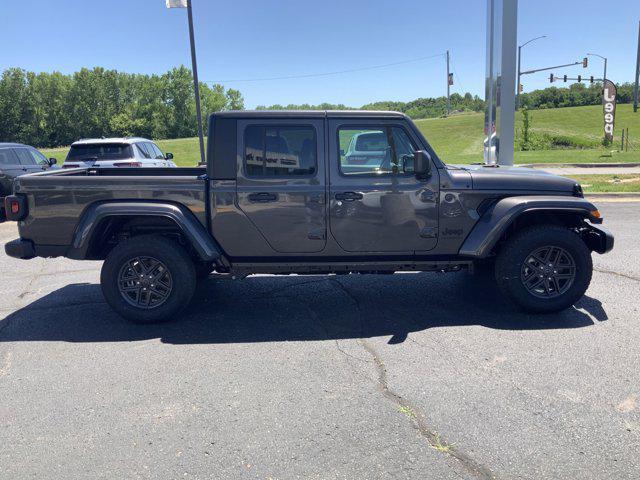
(544, 268)
(148, 279)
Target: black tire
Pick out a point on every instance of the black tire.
(173, 263)
(512, 271)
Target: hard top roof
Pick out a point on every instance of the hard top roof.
(310, 114)
(124, 140)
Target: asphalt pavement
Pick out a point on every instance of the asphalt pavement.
(425, 376)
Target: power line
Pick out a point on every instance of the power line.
(325, 74)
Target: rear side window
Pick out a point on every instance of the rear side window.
(24, 156)
(272, 151)
(375, 151)
(100, 151)
(7, 157)
(144, 151)
(155, 151)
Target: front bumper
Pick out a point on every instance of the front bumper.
(598, 239)
(19, 248)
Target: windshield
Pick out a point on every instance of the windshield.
(101, 151)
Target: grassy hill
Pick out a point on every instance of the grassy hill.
(458, 139)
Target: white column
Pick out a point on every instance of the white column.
(500, 81)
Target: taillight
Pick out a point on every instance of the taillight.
(15, 207)
(128, 164)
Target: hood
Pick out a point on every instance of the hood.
(517, 178)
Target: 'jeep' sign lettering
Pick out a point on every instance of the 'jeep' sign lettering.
(609, 104)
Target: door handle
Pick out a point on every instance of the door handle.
(428, 196)
(348, 196)
(263, 197)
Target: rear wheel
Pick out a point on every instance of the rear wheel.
(544, 268)
(148, 279)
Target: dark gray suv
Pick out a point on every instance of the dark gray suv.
(17, 159)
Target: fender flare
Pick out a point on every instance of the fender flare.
(495, 221)
(202, 241)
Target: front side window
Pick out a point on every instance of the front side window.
(39, 158)
(280, 151)
(375, 151)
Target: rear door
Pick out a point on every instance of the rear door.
(281, 182)
(376, 202)
(27, 160)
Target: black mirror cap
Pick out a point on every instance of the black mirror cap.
(53, 161)
(169, 156)
(422, 164)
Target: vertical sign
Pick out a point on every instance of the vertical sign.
(609, 106)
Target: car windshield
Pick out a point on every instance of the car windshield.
(101, 151)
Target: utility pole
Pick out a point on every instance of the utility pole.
(196, 83)
(194, 66)
(520, 70)
(635, 90)
(605, 63)
(448, 86)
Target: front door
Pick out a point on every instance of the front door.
(281, 182)
(376, 202)
(31, 163)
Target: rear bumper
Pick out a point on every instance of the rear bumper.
(19, 248)
(599, 239)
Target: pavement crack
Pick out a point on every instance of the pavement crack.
(617, 274)
(419, 420)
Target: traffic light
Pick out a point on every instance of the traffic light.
(565, 78)
(451, 79)
(585, 62)
(551, 78)
(591, 79)
(521, 88)
(579, 78)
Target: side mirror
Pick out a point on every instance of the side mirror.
(168, 156)
(52, 161)
(421, 164)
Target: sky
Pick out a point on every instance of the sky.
(259, 39)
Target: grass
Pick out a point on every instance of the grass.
(459, 138)
(608, 183)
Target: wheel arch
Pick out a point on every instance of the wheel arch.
(511, 214)
(101, 221)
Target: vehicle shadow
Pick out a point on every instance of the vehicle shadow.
(294, 308)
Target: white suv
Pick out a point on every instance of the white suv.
(117, 152)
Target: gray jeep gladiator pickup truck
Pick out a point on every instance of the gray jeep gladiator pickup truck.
(282, 193)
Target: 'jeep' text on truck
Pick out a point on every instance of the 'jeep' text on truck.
(310, 193)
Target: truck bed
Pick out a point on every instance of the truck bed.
(59, 197)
